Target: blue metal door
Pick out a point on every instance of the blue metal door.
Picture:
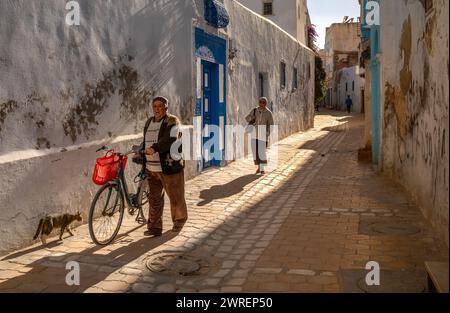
(211, 53)
(208, 107)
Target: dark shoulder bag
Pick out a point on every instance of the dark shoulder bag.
(250, 126)
(254, 118)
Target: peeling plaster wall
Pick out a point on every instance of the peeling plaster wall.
(415, 95)
(65, 91)
(76, 84)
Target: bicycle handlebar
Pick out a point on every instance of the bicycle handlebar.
(102, 148)
(135, 149)
(129, 152)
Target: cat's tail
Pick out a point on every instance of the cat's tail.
(39, 230)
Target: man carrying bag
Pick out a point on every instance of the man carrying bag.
(261, 119)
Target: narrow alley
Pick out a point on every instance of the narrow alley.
(310, 225)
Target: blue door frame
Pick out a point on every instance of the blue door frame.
(211, 55)
(372, 34)
(376, 93)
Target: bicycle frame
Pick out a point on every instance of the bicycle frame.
(123, 186)
(121, 182)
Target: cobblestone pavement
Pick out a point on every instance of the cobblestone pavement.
(310, 225)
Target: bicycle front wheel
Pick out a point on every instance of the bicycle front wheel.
(106, 214)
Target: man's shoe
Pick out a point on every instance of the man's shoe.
(263, 173)
(177, 228)
(153, 233)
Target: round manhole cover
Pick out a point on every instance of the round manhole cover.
(173, 263)
(183, 266)
(394, 229)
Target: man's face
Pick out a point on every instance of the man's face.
(262, 104)
(159, 110)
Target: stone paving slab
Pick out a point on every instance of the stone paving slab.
(293, 230)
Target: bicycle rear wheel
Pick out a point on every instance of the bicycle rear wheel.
(106, 214)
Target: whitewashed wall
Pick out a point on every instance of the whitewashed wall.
(302, 21)
(346, 77)
(415, 103)
(65, 91)
(284, 15)
(262, 52)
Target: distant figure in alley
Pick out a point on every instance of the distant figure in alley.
(349, 104)
(262, 120)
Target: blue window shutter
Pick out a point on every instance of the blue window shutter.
(215, 14)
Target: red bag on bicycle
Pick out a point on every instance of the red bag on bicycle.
(106, 168)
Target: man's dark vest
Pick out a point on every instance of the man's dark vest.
(165, 141)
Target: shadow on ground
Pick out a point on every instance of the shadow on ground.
(227, 190)
(96, 264)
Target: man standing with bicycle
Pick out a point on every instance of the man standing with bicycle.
(165, 172)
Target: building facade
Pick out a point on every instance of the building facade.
(342, 65)
(67, 90)
(349, 83)
(340, 39)
(290, 15)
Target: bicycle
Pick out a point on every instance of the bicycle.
(108, 206)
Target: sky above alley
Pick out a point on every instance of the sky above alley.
(326, 12)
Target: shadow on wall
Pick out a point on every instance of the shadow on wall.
(166, 57)
(153, 63)
(154, 60)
